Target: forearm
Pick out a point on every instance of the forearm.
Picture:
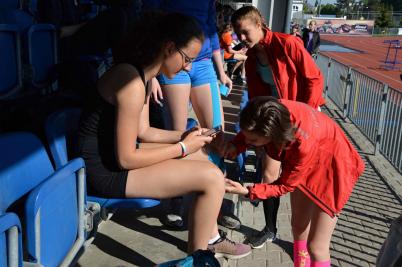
(67, 31)
(232, 51)
(264, 191)
(143, 157)
(155, 135)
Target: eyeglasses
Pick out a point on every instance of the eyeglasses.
(187, 60)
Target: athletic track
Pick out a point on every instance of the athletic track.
(371, 59)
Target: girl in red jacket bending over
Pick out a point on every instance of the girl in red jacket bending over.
(277, 65)
(319, 167)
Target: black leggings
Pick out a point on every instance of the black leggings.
(271, 206)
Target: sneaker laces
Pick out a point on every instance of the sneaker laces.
(224, 237)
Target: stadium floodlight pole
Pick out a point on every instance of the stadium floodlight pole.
(288, 16)
(319, 8)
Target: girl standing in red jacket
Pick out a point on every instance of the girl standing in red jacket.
(319, 167)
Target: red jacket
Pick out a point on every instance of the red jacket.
(320, 161)
(295, 74)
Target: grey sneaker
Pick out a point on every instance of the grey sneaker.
(229, 249)
(258, 240)
(229, 221)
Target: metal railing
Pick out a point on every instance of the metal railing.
(372, 106)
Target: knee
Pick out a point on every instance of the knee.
(317, 250)
(298, 226)
(213, 179)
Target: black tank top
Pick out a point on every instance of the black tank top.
(96, 136)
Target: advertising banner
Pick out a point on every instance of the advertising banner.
(344, 26)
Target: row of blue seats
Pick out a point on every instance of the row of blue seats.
(59, 215)
(28, 52)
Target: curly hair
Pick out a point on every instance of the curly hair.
(268, 117)
(143, 44)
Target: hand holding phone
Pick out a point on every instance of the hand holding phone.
(213, 131)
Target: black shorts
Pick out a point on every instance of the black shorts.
(102, 182)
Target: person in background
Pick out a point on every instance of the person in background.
(226, 42)
(296, 31)
(311, 38)
(319, 168)
(277, 65)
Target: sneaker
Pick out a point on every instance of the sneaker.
(173, 218)
(229, 221)
(173, 221)
(258, 240)
(229, 249)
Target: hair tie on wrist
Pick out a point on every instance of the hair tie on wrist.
(183, 149)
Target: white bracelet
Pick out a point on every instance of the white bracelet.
(183, 149)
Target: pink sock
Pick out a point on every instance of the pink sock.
(301, 258)
(321, 263)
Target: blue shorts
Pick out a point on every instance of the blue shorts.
(202, 72)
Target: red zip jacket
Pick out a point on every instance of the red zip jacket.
(295, 74)
(320, 161)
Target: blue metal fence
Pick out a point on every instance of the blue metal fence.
(374, 107)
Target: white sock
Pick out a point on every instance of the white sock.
(213, 240)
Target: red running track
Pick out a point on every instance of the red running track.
(371, 60)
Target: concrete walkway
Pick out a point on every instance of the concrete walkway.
(137, 238)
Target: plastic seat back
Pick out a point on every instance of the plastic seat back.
(55, 216)
(61, 131)
(42, 54)
(16, 16)
(10, 63)
(10, 240)
(24, 164)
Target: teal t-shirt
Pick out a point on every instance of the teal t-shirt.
(265, 73)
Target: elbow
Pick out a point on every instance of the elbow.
(124, 163)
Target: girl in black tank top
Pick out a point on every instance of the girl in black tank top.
(117, 117)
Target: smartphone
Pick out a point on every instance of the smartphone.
(213, 131)
(224, 89)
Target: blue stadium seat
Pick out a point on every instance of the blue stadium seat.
(42, 54)
(10, 63)
(55, 222)
(10, 240)
(191, 123)
(61, 129)
(16, 16)
(24, 164)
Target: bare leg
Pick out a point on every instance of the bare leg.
(301, 215)
(178, 177)
(177, 97)
(311, 223)
(241, 59)
(321, 230)
(201, 99)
